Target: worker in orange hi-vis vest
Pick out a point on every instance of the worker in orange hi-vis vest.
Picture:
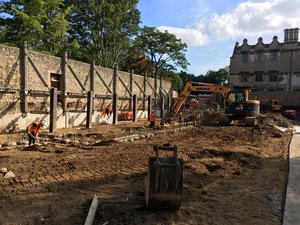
(152, 119)
(33, 131)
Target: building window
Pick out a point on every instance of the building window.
(258, 77)
(244, 77)
(258, 56)
(245, 56)
(273, 77)
(274, 56)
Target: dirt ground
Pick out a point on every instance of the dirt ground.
(232, 175)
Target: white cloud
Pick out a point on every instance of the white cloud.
(252, 19)
(248, 19)
(193, 37)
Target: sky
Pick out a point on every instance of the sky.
(210, 28)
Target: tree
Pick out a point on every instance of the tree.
(163, 49)
(11, 26)
(217, 77)
(177, 83)
(105, 29)
(186, 77)
(223, 75)
(42, 23)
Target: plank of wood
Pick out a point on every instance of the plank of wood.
(92, 211)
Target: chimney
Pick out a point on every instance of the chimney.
(292, 35)
(286, 35)
(296, 34)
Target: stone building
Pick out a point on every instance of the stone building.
(272, 70)
(267, 67)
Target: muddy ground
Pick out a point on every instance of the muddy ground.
(232, 175)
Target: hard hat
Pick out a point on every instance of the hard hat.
(43, 124)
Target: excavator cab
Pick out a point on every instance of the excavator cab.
(239, 107)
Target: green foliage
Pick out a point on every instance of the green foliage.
(105, 29)
(177, 83)
(10, 24)
(223, 75)
(42, 23)
(216, 77)
(162, 48)
(186, 77)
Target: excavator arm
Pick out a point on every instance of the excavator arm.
(194, 86)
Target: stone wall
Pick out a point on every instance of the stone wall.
(285, 98)
(38, 100)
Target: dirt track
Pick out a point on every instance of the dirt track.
(232, 175)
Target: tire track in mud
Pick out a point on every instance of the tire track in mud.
(19, 184)
(11, 185)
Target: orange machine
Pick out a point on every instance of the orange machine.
(235, 105)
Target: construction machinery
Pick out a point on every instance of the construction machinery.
(164, 180)
(271, 105)
(234, 105)
(275, 107)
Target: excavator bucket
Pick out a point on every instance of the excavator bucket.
(164, 181)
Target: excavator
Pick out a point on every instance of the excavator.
(164, 180)
(235, 104)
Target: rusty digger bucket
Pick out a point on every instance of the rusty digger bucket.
(164, 180)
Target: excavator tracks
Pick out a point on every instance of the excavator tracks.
(17, 184)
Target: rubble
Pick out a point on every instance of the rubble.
(9, 144)
(4, 170)
(9, 175)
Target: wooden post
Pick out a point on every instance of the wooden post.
(115, 96)
(160, 87)
(134, 108)
(131, 88)
(145, 91)
(92, 76)
(92, 82)
(64, 86)
(162, 107)
(155, 88)
(53, 109)
(89, 111)
(115, 80)
(23, 76)
(115, 109)
(169, 103)
(149, 106)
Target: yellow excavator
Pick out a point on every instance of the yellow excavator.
(235, 104)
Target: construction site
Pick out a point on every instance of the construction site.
(214, 165)
(139, 112)
(231, 175)
(125, 150)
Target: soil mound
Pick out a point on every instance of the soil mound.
(31, 148)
